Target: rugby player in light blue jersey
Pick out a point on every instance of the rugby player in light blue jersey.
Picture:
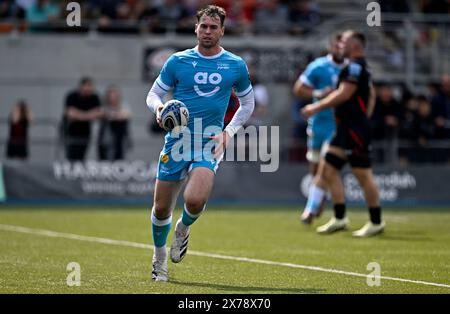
(316, 82)
(203, 79)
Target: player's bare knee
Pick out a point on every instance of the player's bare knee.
(195, 204)
(161, 211)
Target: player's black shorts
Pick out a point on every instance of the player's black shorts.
(355, 141)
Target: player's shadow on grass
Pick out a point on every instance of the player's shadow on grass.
(407, 238)
(245, 288)
(407, 235)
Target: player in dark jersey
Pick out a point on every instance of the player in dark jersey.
(353, 102)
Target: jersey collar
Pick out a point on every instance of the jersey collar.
(209, 57)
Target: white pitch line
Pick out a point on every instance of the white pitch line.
(72, 236)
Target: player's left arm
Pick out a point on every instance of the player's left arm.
(349, 84)
(247, 104)
(244, 91)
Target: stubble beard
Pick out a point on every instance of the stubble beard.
(208, 45)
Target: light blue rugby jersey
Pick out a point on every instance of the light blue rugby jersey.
(204, 84)
(323, 72)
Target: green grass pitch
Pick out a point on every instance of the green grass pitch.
(415, 246)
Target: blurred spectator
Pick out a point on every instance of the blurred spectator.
(271, 17)
(405, 94)
(81, 107)
(424, 131)
(10, 11)
(168, 15)
(407, 129)
(106, 9)
(236, 21)
(117, 15)
(441, 107)
(6, 9)
(137, 7)
(387, 114)
(432, 89)
(42, 11)
(19, 121)
(239, 14)
(408, 120)
(149, 14)
(303, 16)
(23, 6)
(113, 136)
(173, 16)
(248, 8)
(425, 128)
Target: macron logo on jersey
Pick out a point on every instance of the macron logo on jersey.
(202, 78)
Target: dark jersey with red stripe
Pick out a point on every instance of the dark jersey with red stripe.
(354, 111)
(353, 128)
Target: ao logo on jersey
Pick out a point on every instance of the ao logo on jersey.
(202, 78)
